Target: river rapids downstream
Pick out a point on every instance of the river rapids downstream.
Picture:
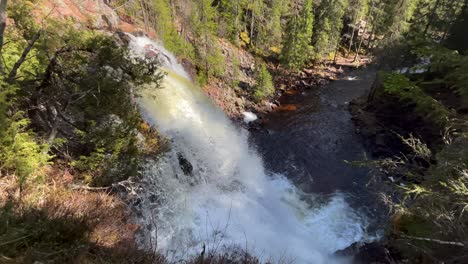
(212, 188)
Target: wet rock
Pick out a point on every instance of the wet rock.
(124, 38)
(363, 253)
(185, 165)
(373, 253)
(244, 85)
(150, 54)
(153, 198)
(276, 103)
(189, 67)
(137, 202)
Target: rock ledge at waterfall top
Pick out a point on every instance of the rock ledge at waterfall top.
(93, 14)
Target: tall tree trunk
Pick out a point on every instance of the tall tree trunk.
(369, 15)
(370, 39)
(351, 40)
(3, 17)
(360, 43)
(336, 52)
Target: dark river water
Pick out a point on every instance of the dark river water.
(311, 136)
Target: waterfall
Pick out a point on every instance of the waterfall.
(211, 187)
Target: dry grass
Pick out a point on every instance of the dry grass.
(50, 222)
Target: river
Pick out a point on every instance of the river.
(311, 135)
(213, 189)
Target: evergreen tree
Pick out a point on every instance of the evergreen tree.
(434, 18)
(257, 14)
(269, 35)
(232, 17)
(328, 26)
(355, 12)
(264, 87)
(396, 18)
(208, 57)
(296, 47)
(165, 26)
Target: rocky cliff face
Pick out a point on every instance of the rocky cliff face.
(95, 14)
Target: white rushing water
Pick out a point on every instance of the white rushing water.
(211, 187)
(249, 117)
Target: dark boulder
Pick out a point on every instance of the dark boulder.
(185, 165)
(364, 253)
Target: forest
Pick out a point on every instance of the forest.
(74, 140)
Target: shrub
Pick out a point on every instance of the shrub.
(407, 92)
(20, 153)
(264, 87)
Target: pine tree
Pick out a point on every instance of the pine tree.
(166, 29)
(396, 18)
(355, 12)
(257, 13)
(328, 26)
(208, 57)
(264, 87)
(269, 32)
(232, 17)
(296, 47)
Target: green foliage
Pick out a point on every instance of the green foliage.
(356, 10)
(114, 152)
(72, 83)
(272, 36)
(407, 92)
(20, 153)
(459, 77)
(445, 65)
(210, 61)
(328, 26)
(19, 150)
(296, 48)
(264, 87)
(165, 27)
(232, 16)
(437, 207)
(396, 18)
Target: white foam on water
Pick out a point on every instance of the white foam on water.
(249, 117)
(226, 197)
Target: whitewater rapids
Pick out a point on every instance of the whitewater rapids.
(226, 197)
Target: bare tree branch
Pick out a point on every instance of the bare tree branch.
(24, 55)
(453, 243)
